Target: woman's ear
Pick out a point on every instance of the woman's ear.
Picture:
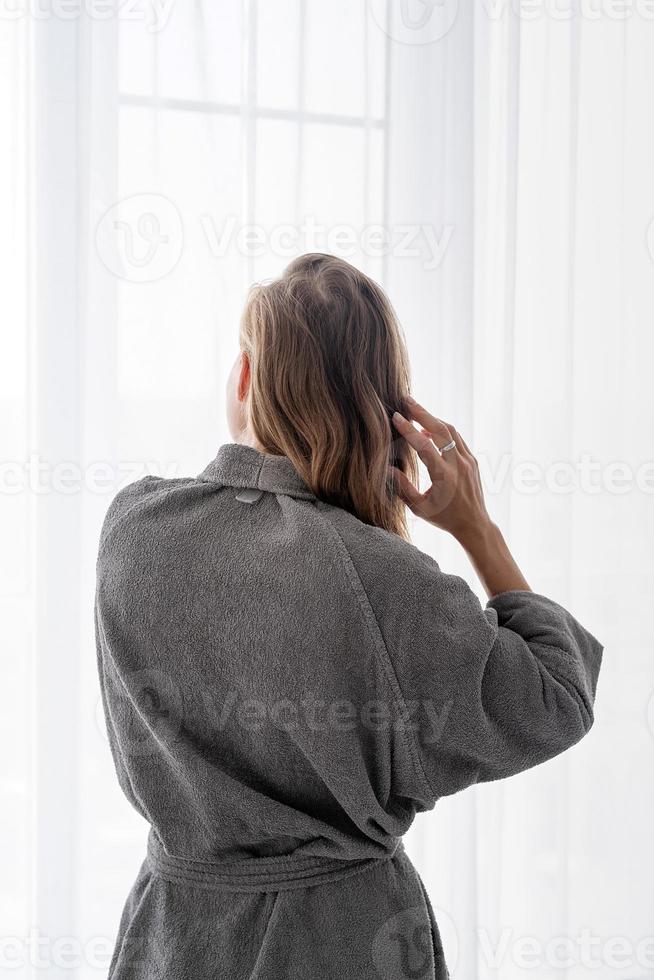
(244, 378)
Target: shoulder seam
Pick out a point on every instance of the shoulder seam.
(380, 647)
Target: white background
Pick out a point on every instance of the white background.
(155, 161)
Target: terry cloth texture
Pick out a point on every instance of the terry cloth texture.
(285, 687)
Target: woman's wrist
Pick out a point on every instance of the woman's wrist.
(479, 534)
(491, 558)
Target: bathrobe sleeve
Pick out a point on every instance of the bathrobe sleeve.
(487, 692)
(495, 691)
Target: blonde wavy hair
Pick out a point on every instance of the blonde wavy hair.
(329, 366)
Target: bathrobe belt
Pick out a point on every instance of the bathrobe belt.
(255, 874)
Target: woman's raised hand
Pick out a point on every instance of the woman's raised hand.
(455, 500)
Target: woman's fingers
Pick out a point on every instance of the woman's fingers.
(420, 413)
(436, 427)
(440, 431)
(431, 424)
(422, 444)
(406, 490)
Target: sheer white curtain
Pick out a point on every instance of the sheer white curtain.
(494, 171)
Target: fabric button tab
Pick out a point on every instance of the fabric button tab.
(249, 495)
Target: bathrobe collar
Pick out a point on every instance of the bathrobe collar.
(243, 466)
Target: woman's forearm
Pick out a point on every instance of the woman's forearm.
(492, 560)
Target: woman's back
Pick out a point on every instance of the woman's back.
(242, 659)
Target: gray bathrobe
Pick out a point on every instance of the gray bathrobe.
(285, 687)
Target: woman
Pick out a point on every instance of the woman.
(287, 681)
